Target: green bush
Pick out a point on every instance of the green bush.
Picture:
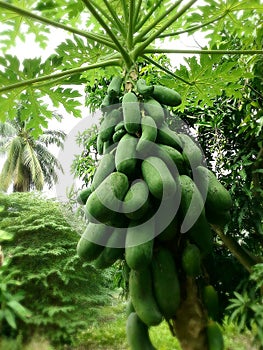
(61, 291)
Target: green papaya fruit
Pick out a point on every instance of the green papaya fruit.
(218, 199)
(142, 297)
(192, 153)
(139, 245)
(108, 124)
(92, 241)
(165, 281)
(166, 96)
(211, 301)
(83, 195)
(113, 250)
(138, 334)
(125, 157)
(158, 177)
(114, 88)
(214, 336)
(143, 88)
(118, 135)
(192, 212)
(191, 260)
(148, 135)
(105, 201)
(105, 167)
(168, 137)
(154, 109)
(136, 202)
(131, 113)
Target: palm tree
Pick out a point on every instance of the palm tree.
(29, 163)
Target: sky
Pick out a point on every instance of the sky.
(71, 125)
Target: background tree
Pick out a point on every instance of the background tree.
(29, 163)
(60, 292)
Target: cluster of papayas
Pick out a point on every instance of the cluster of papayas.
(150, 203)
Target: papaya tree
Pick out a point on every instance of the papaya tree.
(152, 203)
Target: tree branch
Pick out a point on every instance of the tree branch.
(69, 72)
(241, 255)
(166, 70)
(28, 14)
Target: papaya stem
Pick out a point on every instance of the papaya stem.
(166, 70)
(157, 21)
(207, 52)
(146, 17)
(115, 18)
(192, 28)
(162, 28)
(29, 82)
(130, 26)
(125, 12)
(136, 14)
(28, 14)
(118, 45)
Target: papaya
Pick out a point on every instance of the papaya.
(105, 167)
(192, 213)
(105, 202)
(154, 109)
(210, 301)
(143, 88)
(113, 250)
(125, 157)
(192, 153)
(176, 157)
(118, 135)
(166, 96)
(106, 103)
(214, 336)
(218, 199)
(142, 297)
(138, 334)
(99, 145)
(136, 201)
(92, 241)
(119, 126)
(191, 260)
(220, 218)
(108, 124)
(165, 282)
(158, 177)
(129, 307)
(83, 195)
(168, 137)
(131, 113)
(139, 244)
(114, 88)
(148, 135)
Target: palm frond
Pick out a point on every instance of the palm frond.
(30, 160)
(53, 137)
(7, 129)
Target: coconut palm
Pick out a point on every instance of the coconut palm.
(29, 163)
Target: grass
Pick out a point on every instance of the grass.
(108, 332)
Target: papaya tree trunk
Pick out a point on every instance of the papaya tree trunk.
(191, 319)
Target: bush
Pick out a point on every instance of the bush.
(61, 291)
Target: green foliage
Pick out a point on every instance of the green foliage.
(247, 307)
(60, 292)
